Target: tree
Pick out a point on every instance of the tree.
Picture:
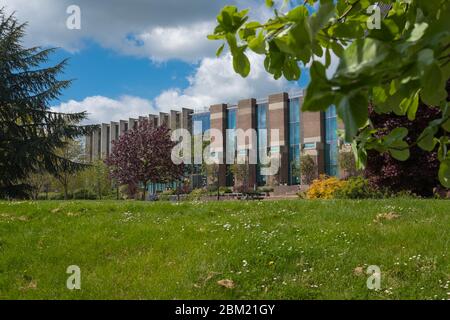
(308, 169)
(143, 156)
(212, 172)
(348, 164)
(393, 63)
(73, 152)
(241, 174)
(419, 173)
(39, 182)
(31, 134)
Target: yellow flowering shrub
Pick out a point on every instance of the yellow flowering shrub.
(324, 187)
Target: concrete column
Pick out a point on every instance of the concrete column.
(142, 119)
(153, 119)
(104, 141)
(163, 119)
(218, 143)
(113, 134)
(278, 119)
(186, 119)
(123, 127)
(96, 144)
(313, 131)
(246, 119)
(88, 147)
(173, 123)
(132, 123)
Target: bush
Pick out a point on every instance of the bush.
(197, 194)
(168, 192)
(212, 188)
(225, 190)
(265, 189)
(418, 174)
(84, 194)
(308, 168)
(57, 196)
(347, 163)
(358, 188)
(324, 187)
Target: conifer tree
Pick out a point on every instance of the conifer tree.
(30, 133)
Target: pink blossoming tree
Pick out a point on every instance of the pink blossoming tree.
(142, 156)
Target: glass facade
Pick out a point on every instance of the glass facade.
(294, 141)
(231, 141)
(201, 122)
(261, 123)
(331, 142)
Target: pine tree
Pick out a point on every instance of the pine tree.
(30, 133)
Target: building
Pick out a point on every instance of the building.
(313, 133)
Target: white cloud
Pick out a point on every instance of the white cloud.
(182, 42)
(159, 30)
(213, 82)
(103, 110)
(216, 82)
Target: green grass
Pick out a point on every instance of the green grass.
(271, 250)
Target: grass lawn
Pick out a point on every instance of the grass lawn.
(294, 249)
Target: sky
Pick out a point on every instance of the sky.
(136, 57)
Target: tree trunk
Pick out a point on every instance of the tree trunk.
(65, 192)
(143, 193)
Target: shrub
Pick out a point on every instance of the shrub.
(212, 188)
(265, 189)
(197, 194)
(358, 188)
(225, 190)
(324, 187)
(308, 168)
(168, 192)
(419, 173)
(84, 194)
(57, 196)
(348, 164)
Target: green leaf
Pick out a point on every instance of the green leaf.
(400, 151)
(269, 3)
(241, 64)
(319, 95)
(398, 134)
(291, 70)
(413, 106)
(360, 55)
(214, 37)
(258, 44)
(219, 51)
(301, 34)
(433, 83)
(327, 58)
(397, 147)
(444, 173)
(418, 31)
(426, 140)
(353, 110)
(298, 14)
(443, 152)
(324, 14)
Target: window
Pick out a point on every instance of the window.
(294, 141)
(261, 123)
(331, 141)
(231, 142)
(201, 122)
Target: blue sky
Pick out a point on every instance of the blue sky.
(100, 71)
(137, 57)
